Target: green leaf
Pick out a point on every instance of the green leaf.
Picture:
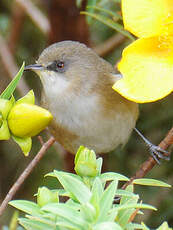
(141, 206)
(7, 93)
(5, 107)
(112, 176)
(90, 10)
(109, 22)
(99, 163)
(164, 226)
(97, 191)
(125, 214)
(66, 225)
(88, 212)
(151, 182)
(14, 221)
(4, 131)
(66, 212)
(121, 192)
(26, 206)
(133, 226)
(73, 185)
(107, 226)
(35, 224)
(97, 187)
(113, 14)
(25, 144)
(106, 201)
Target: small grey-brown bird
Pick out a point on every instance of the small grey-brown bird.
(77, 90)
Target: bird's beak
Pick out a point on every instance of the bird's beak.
(34, 67)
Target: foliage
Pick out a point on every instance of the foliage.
(90, 204)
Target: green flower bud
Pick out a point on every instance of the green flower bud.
(85, 162)
(27, 120)
(45, 196)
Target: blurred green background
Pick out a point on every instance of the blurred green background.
(26, 28)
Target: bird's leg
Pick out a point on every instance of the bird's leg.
(156, 152)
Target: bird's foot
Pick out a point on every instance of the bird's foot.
(158, 153)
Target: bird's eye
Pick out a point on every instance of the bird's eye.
(60, 65)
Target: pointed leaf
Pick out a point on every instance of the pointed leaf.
(66, 212)
(6, 94)
(121, 192)
(34, 224)
(25, 144)
(29, 98)
(107, 226)
(109, 22)
(106, 201)
(4, 131)
(112, 176)
(151, 182)
(26, 206)
(99, 163)
(164, 226)
(113, 14)
(73, 185)
(133, 226)
(141, 206)
(5, 106)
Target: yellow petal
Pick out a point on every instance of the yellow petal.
(147, 69)
(147, 18)
(26, 120)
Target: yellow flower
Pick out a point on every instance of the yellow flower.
(147, 69)
(147, 63)
(27, 120)
(147, 18)
(22, 119)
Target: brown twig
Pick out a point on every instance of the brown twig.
(25, 174)
(150, 162)
(109, 44)
(17, 21)
(41, 140)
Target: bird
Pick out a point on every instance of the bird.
(77, 90)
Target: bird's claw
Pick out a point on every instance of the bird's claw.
(158, 153)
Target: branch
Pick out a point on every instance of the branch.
(109, 44)
(17, 21)
(25, 174)
(150, 162)
(36, 15)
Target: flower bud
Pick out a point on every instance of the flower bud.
(46, 196)
(27, 120)
(85, 162)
